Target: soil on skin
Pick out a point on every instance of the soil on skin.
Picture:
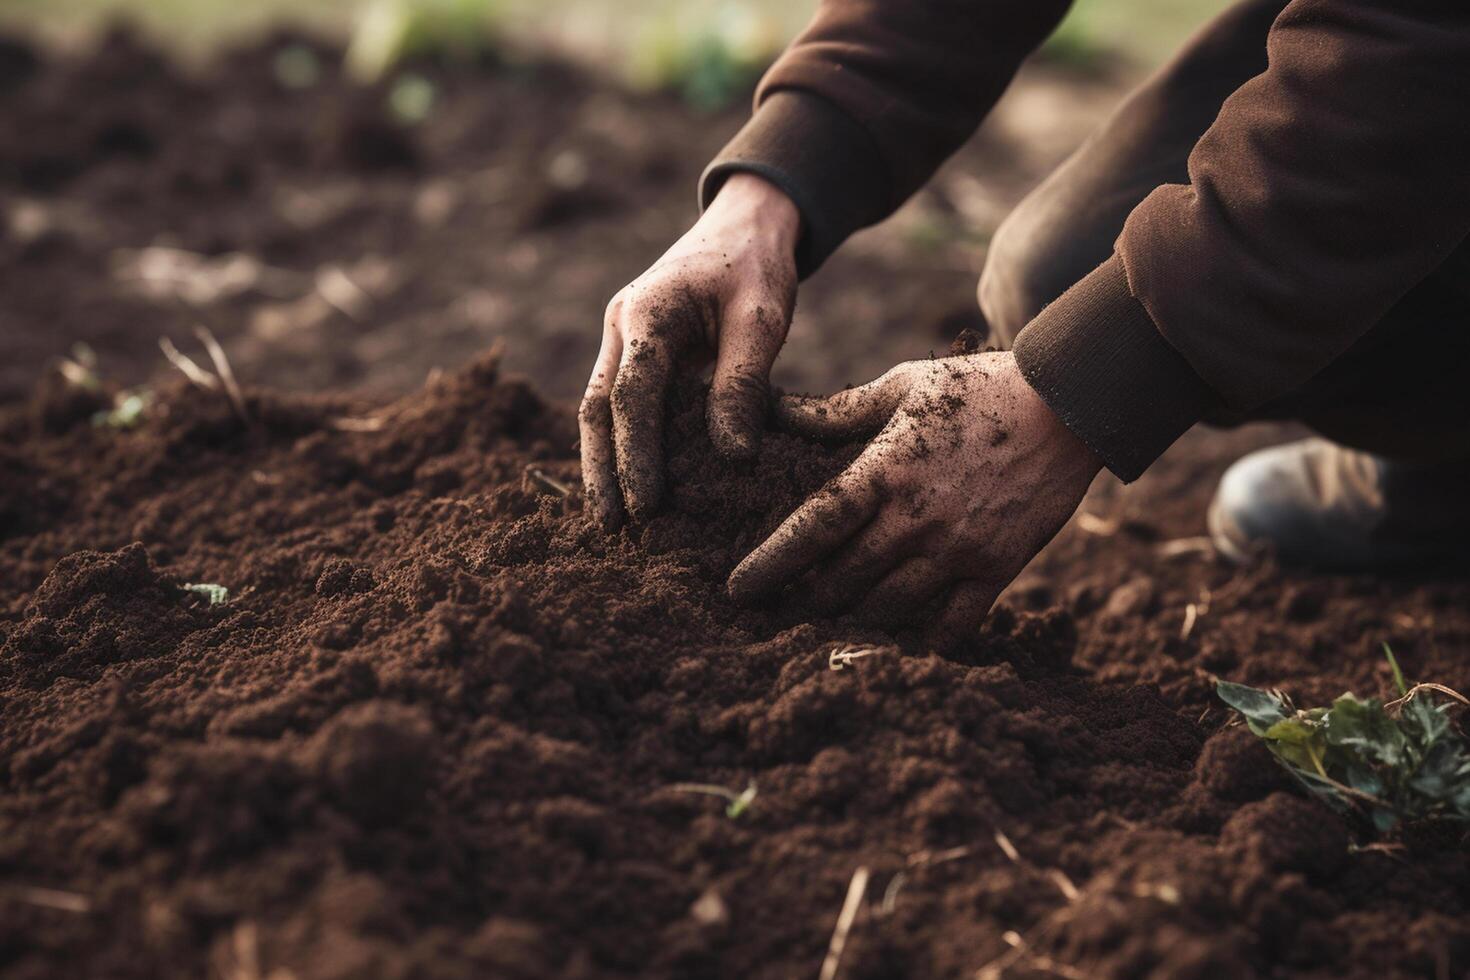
(440, 725)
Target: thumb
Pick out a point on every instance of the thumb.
(851, 414)
(740, 388)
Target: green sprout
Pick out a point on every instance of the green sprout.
(738, 803)
(411, 98)
(127, 410)
(389, 32)
(215, 594)
(1398, 675)
(1391, 763)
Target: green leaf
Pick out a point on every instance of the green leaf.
(1362, 779)
(1261, 709)
(1424, 722)
(1291, 730)
(1385, 768)
(1366, 728)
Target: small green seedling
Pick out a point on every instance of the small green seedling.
(1390, 763)
(126, 412)
(216, 595)
(738, 802)
(410, 98)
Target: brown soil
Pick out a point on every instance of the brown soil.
(439, 726)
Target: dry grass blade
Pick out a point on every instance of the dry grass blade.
(1428, 686)
(1181, 547)
(890, 894)
(335, 286)
(1103, 527)
(80, 370)
(366, 423)
(927, 859)
(1064, 884)
(1191, 614)
(1020, 950)
(915, 862)
(52, 898)
(1057, 876)
(547, 482)
(196, 374)
(225, 372)
(856, 888)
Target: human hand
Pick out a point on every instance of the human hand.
(970, 474)
(728, 287)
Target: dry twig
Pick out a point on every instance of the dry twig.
(856, 888)
(196, 374)
(225, 372)
(848, 653)
(547, 482)
(52, 898)
(1180, 547)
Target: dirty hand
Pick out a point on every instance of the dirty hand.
(970, 474)
(728, 288)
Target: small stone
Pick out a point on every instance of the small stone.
(1135, 597)
(709, 909)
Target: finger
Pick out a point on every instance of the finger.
(848, 414)
(875, 551)
(638, 421)
(829, 517)
(959, 623)
(740, 388)
(594, 424)
(904, 592)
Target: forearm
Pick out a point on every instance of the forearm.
(1328, 186)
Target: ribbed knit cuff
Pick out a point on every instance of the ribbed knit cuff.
(820, 157)
(1096, 358)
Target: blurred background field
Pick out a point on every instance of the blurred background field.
(647, 42)
(354, 193)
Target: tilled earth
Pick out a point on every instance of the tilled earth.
(441, 727)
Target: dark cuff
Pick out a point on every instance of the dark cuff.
(820, 157)
(1096, 358)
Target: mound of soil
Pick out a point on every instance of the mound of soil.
(441, 724)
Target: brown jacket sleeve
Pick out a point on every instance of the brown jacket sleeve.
(1327, 188)
(872, 97)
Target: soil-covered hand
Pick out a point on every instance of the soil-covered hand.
(970, 474)
(726, 288)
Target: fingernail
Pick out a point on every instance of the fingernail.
(737, 586)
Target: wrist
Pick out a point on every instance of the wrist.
(756, 206)
(1066, 445)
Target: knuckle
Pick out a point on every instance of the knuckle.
(615, 308)
(594, 409)
(647, 303)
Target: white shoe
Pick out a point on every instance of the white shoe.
(1319, 505)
